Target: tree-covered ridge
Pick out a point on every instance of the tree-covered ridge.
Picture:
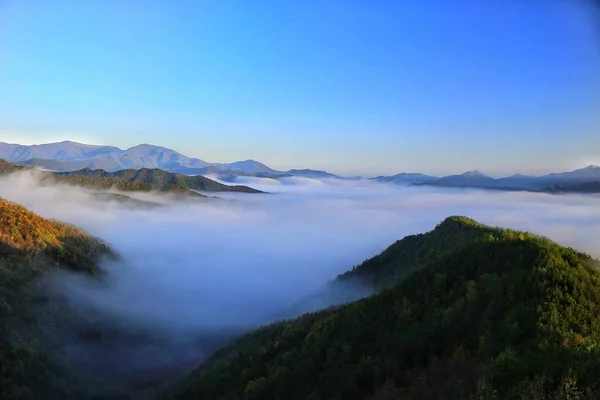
(415, 251)
(23, 232)
(132, 180)
(29, 247)
(501, 315)
(7, 168)
(147, 179)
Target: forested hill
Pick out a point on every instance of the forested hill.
(416, 251)
(134, 180)
(484, 313)
(7, 168)
(148, 179)
(29, 247)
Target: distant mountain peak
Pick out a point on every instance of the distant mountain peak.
(149, 146)
(474, 172)
(250, 166)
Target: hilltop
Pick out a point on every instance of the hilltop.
(463, 311)
(31, 246)
(414, 252)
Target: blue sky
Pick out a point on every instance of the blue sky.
(433, 86)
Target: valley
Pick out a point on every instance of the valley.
(299, 200)
(463, 309)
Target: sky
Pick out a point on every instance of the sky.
(352, 87)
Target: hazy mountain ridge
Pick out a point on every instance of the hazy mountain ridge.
(405, 178)
(583, 180)
(70, 156)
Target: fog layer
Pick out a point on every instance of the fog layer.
(198, 268)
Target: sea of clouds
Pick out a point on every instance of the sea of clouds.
(195, 267)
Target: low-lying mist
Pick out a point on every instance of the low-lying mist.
(192, 272)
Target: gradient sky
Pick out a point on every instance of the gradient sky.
(434, 86)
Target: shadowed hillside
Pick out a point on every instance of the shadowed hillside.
(469, 311)
(31, 246)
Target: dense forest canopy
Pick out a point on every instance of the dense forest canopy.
(146, 179)
(468, 311)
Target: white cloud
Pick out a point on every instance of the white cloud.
(201, 265)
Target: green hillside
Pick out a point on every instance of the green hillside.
(416, 251)
(134, 180)
(470, 312)
(146, 180)
(29, 247)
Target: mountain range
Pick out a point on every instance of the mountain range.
(69, 156)
(584, 180)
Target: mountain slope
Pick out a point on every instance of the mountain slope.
(149, 156)
(504, 315)
(23, 232)
(250, 166)
(72, 165)
(578, 176)
(66, 150)
(311, 173)
(414, 252)
(31, 246)
(71, 156)
(405, 178)
(147, 179)
(7, 168)
(582, 180)
(132, 180)
(468, 179)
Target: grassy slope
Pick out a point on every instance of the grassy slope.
(29, 247)
(485, 313)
